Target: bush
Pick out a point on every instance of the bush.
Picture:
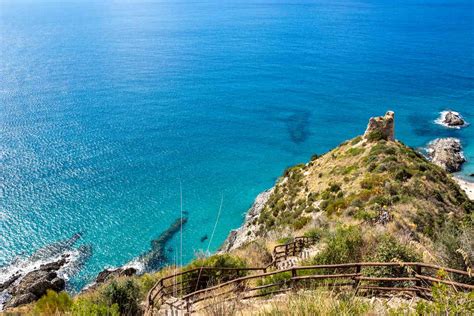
(204, 278)
(343, 246)
(125, 295)
(355, 151)
(301, 222)
(315, 233)
(285, 240)
(375, 136)
(53, 303)
(454, 244)
(390, 250)
(84, 307)
(281, 281)
(371, 181)
(403, 175)
(445, 301)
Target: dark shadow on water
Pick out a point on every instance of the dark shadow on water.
(298, 126)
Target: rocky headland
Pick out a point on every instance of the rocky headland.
(446, 153)
(372, 179)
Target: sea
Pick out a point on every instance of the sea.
(117, 117)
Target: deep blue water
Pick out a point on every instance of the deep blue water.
(105, 106)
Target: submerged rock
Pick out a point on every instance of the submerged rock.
(446, 153)
(381, 127)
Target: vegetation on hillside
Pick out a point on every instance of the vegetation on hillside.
(375, 184)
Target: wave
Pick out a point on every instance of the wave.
(72, 260)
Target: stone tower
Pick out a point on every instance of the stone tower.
(381, 127)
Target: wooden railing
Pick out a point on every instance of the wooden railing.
(189, 281)
(416, 278)
(203, 286)
(293, 248)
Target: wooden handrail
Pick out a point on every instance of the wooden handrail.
(354, 276)
(160, 289)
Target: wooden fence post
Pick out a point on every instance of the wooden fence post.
(188, 307)
(286, 251)
(418, 280)
(293, 275)
(357, 281)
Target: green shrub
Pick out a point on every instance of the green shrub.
(301, 222)
(375, 136)
(355, 151)
(403, 174)
(281, 281)
(125, 295)
(285, 240)
(53, 303)
(334, 187)
(356, 140)
(336, 205)
(204, 278)
(390, 250)
(343, 246)
(454, 243)
(445, 301)
(315, 233)
(366, 215)
(370, 181)
(84, 307)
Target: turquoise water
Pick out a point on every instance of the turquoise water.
(106, 106)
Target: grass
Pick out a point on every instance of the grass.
(318, 302)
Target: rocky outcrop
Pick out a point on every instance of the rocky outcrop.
(112, 273)
(109, 274)
(446, 153)
(35, 283)
(381, 127)
(453, 119)
(248, 231)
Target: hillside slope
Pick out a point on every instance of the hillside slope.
(375, 183)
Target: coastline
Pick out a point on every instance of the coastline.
(466, 185)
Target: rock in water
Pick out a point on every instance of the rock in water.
(35, 284)
(446, 153)
(111, 273)
(381, 127)
(453, 119)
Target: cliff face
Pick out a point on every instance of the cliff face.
(249, 229)
(372, 181)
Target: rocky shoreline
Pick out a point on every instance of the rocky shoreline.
(467, 186)
(248, 231)
(26, 280)
(446, 153)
